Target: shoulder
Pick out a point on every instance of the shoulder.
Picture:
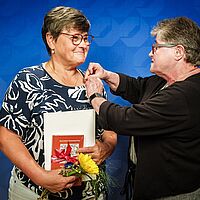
(32, 72)
(189, 89)
(29, 77)
(154, 79)
(36, 70)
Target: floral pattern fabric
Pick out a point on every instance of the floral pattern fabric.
(31, 94)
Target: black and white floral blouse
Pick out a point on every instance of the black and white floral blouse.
(31, 94)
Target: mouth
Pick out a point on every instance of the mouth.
(79, 53)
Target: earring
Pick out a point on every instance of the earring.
(52, 51)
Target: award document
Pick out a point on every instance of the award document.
(62, 129)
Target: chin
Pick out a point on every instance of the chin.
(80, 59)
(80, 62)
(151, 69)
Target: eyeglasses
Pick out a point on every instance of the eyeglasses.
(77, 38)
(156, 46)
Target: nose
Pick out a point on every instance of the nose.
(151, 54)
(84, 43)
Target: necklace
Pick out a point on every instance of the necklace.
(165, 86)
(71, 80)
(162, 88)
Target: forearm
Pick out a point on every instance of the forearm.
(96, 103)
(112, 79)
(14, 149)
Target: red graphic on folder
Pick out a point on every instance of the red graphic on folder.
(64, 149)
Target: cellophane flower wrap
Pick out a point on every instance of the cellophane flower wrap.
(82, 166)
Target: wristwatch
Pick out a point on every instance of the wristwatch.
(96, 94)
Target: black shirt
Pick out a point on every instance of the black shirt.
(166, 126)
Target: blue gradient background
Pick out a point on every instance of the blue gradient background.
(123, 41)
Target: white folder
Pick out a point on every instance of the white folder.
(79, 122)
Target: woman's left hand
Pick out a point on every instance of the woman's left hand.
(102, 149)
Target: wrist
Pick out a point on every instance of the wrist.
(94, 95)
(106, 75)
(38, 175)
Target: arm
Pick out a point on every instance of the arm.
(127, 87)
(154, 116)
(102, 149)
(96, 70)
(12, 146)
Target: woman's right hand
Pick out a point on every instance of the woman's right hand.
(12, 146)
(55, 182)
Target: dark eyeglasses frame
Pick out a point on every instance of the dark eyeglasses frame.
(155, 46)
(80, 38)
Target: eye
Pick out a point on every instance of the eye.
(76, 38)
(85, 38)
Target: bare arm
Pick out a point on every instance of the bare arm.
(112, 79)
(12, 146)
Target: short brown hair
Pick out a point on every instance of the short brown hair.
(60, 18)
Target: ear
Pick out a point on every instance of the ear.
(50, 40)
(179, 52)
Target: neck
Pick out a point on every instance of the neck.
(64, 75)
(183, 74)
(193, 71)
(61, 68)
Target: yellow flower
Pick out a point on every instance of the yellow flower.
(88, 164)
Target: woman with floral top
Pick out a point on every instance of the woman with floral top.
(52, 86)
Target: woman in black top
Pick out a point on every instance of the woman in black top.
(165, 116)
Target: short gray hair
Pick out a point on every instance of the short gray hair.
(181, 31)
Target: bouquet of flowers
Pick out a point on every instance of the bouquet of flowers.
(81, 165)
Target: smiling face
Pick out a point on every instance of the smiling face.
(58, 24)
(65, 51)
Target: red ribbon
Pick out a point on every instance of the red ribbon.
(62, 154)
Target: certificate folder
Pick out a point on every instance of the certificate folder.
(74, 128)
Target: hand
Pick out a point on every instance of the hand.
(96, 70)
(93, 84)
(55, 182)
(99, 152)
(20, 156)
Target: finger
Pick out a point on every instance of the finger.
(56, 172)
(92, 155)
(89, 71)
(78, 182)
(87, 74)
(70, 179)
(69, 185)
(97, 161)
(85, 150)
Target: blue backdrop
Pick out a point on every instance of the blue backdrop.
(122, 43)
